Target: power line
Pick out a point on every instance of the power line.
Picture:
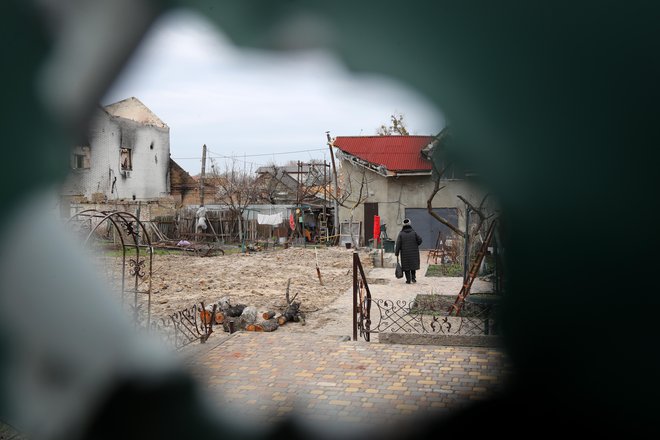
(232, 157)
(251, 155)
(285, 152)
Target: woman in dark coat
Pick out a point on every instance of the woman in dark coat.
(407, 244)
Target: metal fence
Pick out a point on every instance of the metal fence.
(122, 248)
(424, 315)
(410, 317)
(185, 326)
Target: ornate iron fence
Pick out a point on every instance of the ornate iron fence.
(478, 316)
(410, 317)
(130, 271)
(185, 326)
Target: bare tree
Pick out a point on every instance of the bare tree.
(397, 127)
(312, 180)
(438, 169)
(354, 189)
(360, 198)
(237, 189)
(352, 193)
(278, 184)
(306, 185)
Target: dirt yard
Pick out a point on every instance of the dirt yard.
(257, 279)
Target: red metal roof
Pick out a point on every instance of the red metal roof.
(396, 153)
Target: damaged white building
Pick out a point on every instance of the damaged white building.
(127, 156)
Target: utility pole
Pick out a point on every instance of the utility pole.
(202, 175)
(336, 197)
(325, 190)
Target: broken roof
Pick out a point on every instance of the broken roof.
(180, 178)
(290, 169)
(133, 109)
(397, 154)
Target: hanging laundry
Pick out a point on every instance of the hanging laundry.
(270, 219)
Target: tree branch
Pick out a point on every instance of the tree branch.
(429, 207)
(481, 215)
(429, 202)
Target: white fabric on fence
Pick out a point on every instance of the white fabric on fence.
(272, 219)
(201, 218)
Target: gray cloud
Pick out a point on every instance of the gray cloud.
(245, 102)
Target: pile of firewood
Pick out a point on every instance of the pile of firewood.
(292, 311)
(241, 317)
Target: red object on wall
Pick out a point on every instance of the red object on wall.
(376, 229)
(292, 223)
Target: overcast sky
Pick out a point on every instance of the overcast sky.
(256, 105)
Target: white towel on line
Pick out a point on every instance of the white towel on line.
(269, 219)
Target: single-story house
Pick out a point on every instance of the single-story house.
(389, 176)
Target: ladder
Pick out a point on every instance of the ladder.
(323, 230)
(472, 274)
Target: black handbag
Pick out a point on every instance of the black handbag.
(398, 272)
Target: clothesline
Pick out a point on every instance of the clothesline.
(270, 219)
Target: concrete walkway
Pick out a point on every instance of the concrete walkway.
(338, 320)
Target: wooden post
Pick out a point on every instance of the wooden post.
(466, 247)
(325, 190)
(213, 230)
(355, 293)
(318, 270)
(334, 171)
(201, 177)
(221, 216)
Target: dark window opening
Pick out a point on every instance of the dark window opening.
(125, 159)
(80, 159)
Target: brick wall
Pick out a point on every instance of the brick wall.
(148, 210)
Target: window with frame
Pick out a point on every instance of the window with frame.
(81, 158)
(125, 159)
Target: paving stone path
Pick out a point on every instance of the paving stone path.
(337, 319)
(264, 377)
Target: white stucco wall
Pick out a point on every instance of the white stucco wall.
(150, 159)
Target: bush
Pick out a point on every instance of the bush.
(445, 270)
